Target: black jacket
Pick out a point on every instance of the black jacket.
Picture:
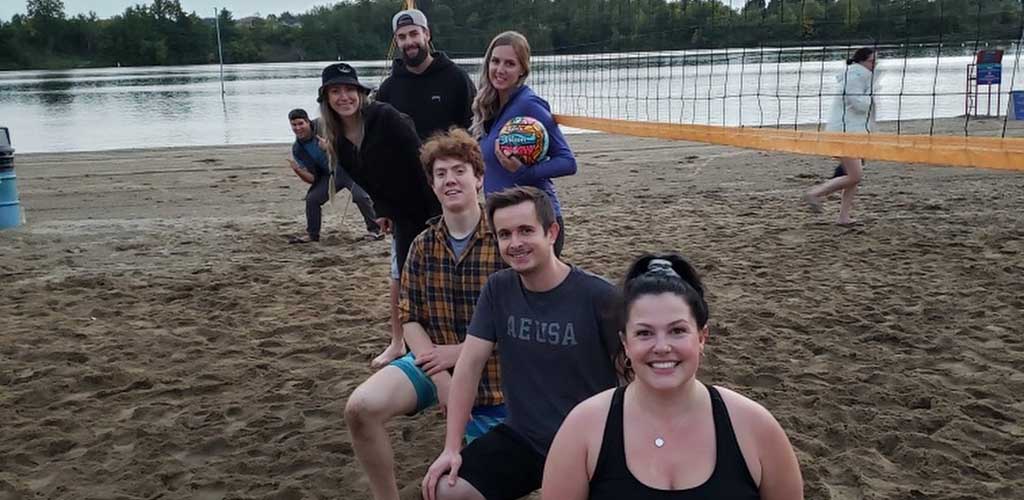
(388, 167)
(438, 98)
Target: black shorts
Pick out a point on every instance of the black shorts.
(501, 464)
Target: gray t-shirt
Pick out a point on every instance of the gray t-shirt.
(554, 347)
(458, 246)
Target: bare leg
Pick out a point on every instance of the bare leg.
(396, 348)
(461, 491)
(845, 206)
(855, 171)
(852, 178)
(386, 394)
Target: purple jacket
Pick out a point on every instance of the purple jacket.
(560, 161)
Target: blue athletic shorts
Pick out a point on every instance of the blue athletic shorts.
(481, 418)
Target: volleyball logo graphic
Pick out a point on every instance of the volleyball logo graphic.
(524, 138)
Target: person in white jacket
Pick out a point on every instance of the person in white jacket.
(853, 111)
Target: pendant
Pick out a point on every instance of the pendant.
(658, 442)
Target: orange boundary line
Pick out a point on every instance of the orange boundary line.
(977, 152)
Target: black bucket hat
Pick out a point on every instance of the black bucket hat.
(340, 74)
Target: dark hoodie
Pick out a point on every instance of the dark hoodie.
(387, 166)
(436, 99)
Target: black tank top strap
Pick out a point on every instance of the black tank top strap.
(730, 464)
(730, 480)
(611, 460)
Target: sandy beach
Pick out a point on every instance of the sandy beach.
(160, 340)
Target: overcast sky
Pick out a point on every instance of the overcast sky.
(203, 8)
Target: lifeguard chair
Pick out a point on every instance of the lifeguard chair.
(987, 71)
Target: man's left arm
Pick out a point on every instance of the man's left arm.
(301, 171)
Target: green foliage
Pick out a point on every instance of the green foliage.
(45, 9)
(162, 33)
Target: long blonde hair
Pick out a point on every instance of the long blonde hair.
(486, 105)
(331, 128)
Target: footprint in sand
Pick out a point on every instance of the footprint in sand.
(173, 481)
(337, 447)
(213, 491)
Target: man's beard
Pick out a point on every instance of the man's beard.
(416, 60)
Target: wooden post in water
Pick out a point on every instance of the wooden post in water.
(220, 51)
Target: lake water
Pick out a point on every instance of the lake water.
(112, 108)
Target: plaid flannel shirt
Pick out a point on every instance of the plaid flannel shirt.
(440, 292)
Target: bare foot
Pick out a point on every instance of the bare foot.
(298, 240)
(813, 202)
(846, 223)
(393, 352)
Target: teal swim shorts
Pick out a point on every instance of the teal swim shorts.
(481, 419)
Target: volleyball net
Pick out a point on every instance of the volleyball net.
(780, 98)
(948, 80)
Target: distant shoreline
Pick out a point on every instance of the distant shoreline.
(981, 126)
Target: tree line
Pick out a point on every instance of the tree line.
(162, 33)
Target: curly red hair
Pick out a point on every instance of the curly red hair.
(455, 143)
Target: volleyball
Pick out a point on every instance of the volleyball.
(524, 138)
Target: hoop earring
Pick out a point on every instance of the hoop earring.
(628, 364)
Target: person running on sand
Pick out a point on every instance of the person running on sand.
(667, 434)
(447, 267)
(853, 111)
(544, 317)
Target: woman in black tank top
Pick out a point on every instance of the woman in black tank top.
(666, 435)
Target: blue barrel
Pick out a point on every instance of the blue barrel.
(10, 207)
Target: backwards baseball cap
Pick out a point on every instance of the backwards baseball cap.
(339, 74)
(407, 18)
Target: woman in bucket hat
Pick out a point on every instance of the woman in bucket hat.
(378, 146)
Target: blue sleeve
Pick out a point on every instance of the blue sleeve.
(298, 156)
(482, 325)
(560, 161)
(303, 157)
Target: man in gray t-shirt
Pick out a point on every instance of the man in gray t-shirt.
(545, 319)
(550, 345)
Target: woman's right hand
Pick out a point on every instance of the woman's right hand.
(323, 143)
(448, 461)
(510, 163)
